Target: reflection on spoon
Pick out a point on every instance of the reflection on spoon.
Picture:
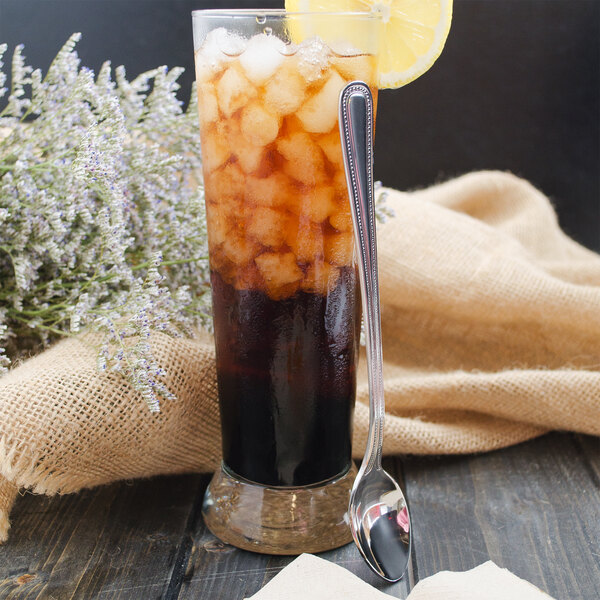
(389, 539)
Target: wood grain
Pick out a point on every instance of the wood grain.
(118, 541)
(590, 449)
(533, 508)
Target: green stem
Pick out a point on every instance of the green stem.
(48, 328)
(41, 311)
(45, 166)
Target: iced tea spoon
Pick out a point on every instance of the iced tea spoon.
(378, 513)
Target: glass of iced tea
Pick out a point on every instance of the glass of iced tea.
(286, 302)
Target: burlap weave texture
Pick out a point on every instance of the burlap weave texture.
(491, 328)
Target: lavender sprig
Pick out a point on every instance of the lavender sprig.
(102, 225)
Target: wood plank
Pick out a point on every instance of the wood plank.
(221, 572)
(117, 541)
(590, 448)
(532, 508)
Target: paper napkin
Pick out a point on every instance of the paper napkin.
(311, 577)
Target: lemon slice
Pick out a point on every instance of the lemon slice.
(413, 33)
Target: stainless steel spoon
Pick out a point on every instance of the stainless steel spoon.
(379, 517)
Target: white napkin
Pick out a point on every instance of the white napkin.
(485, 582)
(309, 577)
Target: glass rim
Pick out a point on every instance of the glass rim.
(280, 12)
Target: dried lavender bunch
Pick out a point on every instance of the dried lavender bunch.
(102, 222)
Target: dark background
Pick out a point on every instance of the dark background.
(517, 87)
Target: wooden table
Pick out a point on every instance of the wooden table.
(533, 508)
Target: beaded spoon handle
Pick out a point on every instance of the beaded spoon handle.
(379, 517)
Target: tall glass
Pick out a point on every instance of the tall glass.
(286, 301)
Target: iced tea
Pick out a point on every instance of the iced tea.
(285, 291)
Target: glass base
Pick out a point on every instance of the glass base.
(273, 520)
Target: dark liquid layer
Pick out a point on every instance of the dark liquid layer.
(287, 376)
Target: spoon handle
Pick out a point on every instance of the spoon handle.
(356, 129)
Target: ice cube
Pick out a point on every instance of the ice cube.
(320, 278)
(341, 220)
(224, 193)
(280, 272)
(229, 131)
(219, 262)
(353, 68)
(284, 92)
(340, 183)
(332, 148)
(222, 217)
(317, 204)
(312, 60)
(339, 248)
(229, 43)
(217, 226)
(248, 278)
(305, 240)
(234, 91)
(343, 48)
(272, 191)
(215, 150)
(262, 57)
(205, 69)
(267, 226)
(230, 209)
(239, 248)
(225, 183)
(215, 52)
(208, 108)
(319, 114)
(249, 157)
(304, 159)
(258, 125)
(222, 44)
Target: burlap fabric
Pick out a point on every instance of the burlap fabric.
(491, 325)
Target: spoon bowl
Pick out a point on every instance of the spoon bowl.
(379, 518)
(380, 523)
